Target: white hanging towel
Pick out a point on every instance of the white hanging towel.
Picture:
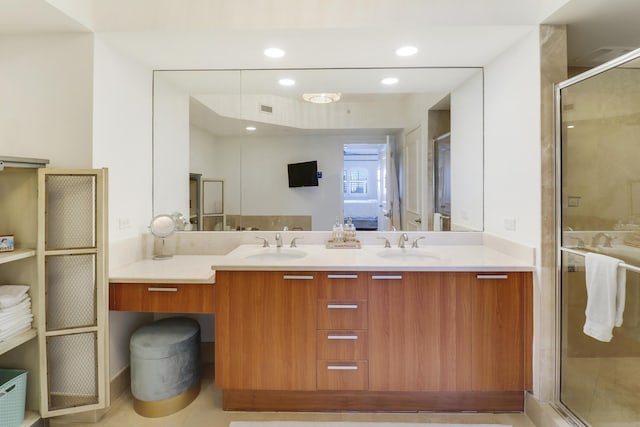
(605, 295)
(12, 294)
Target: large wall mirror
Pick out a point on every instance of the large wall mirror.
(390, 148)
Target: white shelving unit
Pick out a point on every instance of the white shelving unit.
(19, 216)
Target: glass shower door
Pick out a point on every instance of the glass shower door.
(599, 200)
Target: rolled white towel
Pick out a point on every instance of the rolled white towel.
(11, 295)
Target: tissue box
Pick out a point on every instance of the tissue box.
(6, 243)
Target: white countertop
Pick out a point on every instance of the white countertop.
(177, 269)
(201, 268)
(372, 258)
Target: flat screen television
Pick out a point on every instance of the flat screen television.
(303, 174)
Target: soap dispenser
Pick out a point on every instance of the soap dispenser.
(338, 232)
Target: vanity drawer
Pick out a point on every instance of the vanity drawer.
(343, 345)
(342, 314)
(343, 375)
(164, 298)
(342, 286)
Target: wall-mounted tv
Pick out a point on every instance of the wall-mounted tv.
(303, 174)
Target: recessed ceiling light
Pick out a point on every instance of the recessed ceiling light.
(321, 98)
(250, 128)
(274, 52)
(389, 81)
(287, 82)
(570, 126)
(406, 51)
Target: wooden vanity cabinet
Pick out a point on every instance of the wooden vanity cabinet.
(265, 330)
(501, 331)
(419, 331)
(161, 297)
(342, 336)
(450, 331)
(405, 341)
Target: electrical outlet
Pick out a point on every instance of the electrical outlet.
(510, 224)
(124, 223)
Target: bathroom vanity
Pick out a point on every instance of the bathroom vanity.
(436, 328)
(372, 330)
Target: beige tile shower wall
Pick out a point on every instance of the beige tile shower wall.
(601, 165)
(269, 222)
(625, 342)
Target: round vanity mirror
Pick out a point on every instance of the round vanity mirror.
(162, 226)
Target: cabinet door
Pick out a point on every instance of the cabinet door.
(265, 330)
(419, 332)
(72, 303)
(501, 336)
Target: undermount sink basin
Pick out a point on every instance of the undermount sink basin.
(276, 254)
(407, 254)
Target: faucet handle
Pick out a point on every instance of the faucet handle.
(293, 242)
(579, 240)
(415, 241)
(265, 242)
(607, 240)
(386, 242)
(403, 238)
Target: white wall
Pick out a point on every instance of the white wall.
(467, 130)
(122, 143)
(265, 186)
(122, 139)
(512, 143)
(46, 84)
(170, 149)
(513, 169)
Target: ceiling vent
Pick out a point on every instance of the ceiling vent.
(266, 109)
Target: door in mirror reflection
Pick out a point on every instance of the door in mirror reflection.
(442, 183)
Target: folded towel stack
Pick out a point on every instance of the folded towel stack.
(15, 311)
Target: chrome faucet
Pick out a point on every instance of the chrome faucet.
(580, 242)
(386, 242)
(278, 240)
(403, 238)
(265, 242)
(415, 241)
(607, 240)
(293, 242)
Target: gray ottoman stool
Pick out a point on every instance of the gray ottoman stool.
(165, 366)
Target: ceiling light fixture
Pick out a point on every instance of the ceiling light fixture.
(389, 81)
(287, 82)
(406, 51)
(250, 128)
(321, 98)
(274, 52)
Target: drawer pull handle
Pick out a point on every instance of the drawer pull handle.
(342, 367)
(492, 276)
(162, 289)
(349, 306)
(295, 277)
(342, 337)
(342, 276)
(384, 277)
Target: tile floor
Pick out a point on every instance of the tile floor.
(605, 392)
(206, 411)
